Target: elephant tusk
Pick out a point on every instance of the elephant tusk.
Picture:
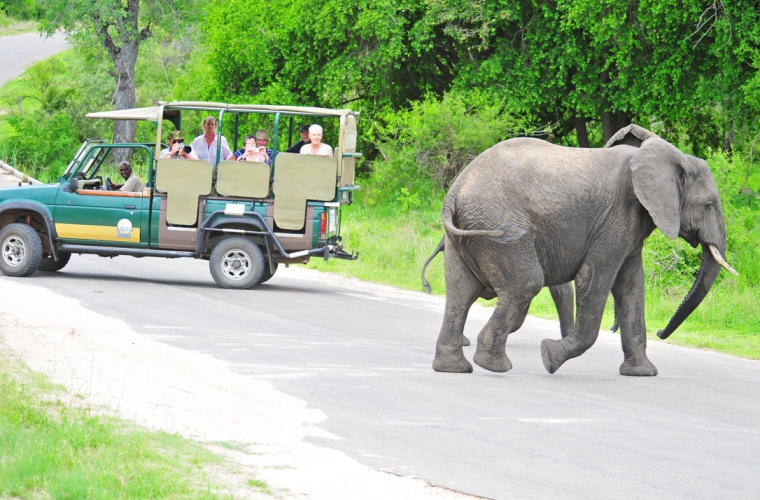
(716, 255)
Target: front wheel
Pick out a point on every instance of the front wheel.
(236, 263)
(21, 250)
(48, 263)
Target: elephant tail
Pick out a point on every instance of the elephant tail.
(439, 248)
(448, 224)
(505, 234)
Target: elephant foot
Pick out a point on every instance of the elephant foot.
(638, 367)
(450, 359)
(552, 354)
(465, 341)
(495, 362)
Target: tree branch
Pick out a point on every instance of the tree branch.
(101, 29)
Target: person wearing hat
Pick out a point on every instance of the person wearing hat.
(252, 152)
(296, 148)
(177, 148)
(262, 138)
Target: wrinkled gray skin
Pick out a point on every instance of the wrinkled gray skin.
(562, 295)
(527, 214)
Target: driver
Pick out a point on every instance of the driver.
(132, 183)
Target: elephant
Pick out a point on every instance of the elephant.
(562, 295)
(526, 214)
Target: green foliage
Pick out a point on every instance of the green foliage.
(53, 450)
(46, 107)
(681, 68)
(435, 138)
(43, 144)
(329, 53)
(44, 135)
(18, 9)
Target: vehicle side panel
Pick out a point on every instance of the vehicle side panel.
(92, 219)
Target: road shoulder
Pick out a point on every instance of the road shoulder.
(167, 388)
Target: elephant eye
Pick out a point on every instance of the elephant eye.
(709, 206)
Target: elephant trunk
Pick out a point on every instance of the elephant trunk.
(708, 273)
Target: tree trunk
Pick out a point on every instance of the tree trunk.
(124, 57)
(124, 97)
(612, 122)
(582, 132)
(728, 140)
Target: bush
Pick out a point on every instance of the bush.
(44, 145)
(19, 9)
(437, 138)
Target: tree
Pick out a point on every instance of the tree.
(371, 53)
(119, 26)
(680, 66)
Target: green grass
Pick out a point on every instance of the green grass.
(393, 247)
(52, 449)
(10, 26)
(260, 485)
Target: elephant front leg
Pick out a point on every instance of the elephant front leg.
(592, 287)
(564, 301)
(628, 291)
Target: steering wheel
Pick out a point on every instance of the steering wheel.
(108, 184)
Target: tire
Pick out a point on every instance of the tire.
(266, 275)
(48, 263)
(240, 252)
(20, 250)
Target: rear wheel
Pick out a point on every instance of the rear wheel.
(267, 274)
(236, 263)
(49, 264)
(21, 250)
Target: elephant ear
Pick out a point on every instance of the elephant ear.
(657, 171)
(632, 135)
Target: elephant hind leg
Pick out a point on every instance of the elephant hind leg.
(508, 317)
(462, 290)
(517, 277)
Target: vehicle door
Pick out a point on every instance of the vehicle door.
(85, 213)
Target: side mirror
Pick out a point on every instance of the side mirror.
(71, 185)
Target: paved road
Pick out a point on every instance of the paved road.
(361, 353)
(17, 51)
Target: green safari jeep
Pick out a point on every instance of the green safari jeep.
(245, 218)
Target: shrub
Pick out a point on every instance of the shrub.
(436, 138)
(44, 145)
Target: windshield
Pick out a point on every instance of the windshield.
(83, 150)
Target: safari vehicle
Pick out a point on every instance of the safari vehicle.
(244, 218)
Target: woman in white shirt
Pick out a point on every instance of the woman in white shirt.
(317, 147)
(205, 145)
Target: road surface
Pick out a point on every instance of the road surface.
(361, 353)
(18, 51)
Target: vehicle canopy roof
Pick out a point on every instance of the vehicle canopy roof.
(155, 113)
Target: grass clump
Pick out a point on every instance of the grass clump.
(12, 26)
(54, 450)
